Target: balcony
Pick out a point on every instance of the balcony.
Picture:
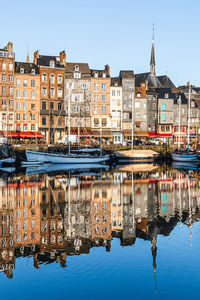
(44, 112)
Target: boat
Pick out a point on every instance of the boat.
(88, 157)
(136, 156)
(180, 165)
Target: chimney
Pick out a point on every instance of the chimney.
(107, 69)
(62, 57)
(146, 84)
(9, 47)
(36, 56)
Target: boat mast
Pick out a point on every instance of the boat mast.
(79, 120)
(189, 117)
(101, 136)
(179, 121)
(69, 127)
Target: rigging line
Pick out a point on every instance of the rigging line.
(54, 129)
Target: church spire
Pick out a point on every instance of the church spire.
(152, 62)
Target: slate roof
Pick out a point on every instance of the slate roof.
(183, 98)
(127, 74)
(154, 81)
(116, 81)
(44, 60)
(83, 67)
(27, 67)
(100, 73)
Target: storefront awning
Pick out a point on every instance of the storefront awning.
(9, 133)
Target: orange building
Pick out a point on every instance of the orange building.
(100, 102)
(52, 113)
(27, 95)
(7, 60)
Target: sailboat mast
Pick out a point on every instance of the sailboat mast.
(189, 117)
(179, 121)
(69, 125)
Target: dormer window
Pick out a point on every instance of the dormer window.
(138, 94)
(76, 68)
(33, 71)
(21, 70)
(166, 95)
(104, 75)
(116, 84)
(52, 64)
(96, 75)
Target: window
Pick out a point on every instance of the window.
(52, 105)
(33, 106)
(52, 78)
(18, 116)
(43, 120)
(70, 85)
(32, 127)
(96, 109)
(25, 106)
(52, 64)
(96, 75)
(131, 86)
(60, 93)
(163, 107)
(44, 91)
(10, 77)
(77, 75)
(192, 104)
(96, 86)
(113, 92)
(25, 94)
(52, 92)
(75, 109)
(25, 127)
(103, 109)
(166, 95)
(21, 70)
(59, 79)
(76, 68)
(104, 98)
(84, 85)
(104, 75)
(25, 117)
(32, 117)
(32, 94)
(4, 66)
(137, 115)
(10, 67)
(10, 102)
(59, 105)
(25, 82)
(32, 71)
(44, 106)
(130, 95)
(3, 90)
(18, 105)
(163, 117)
(138, 94)
(118, 92)
(44, 77)
(10, 91)
(104, 86)
(32, 83)
(18, 93)
(96, 98)
(137, 104)
(18, 82)
(3, 77)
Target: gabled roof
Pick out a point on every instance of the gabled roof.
(83, 67)
(116, 81)
(183, 98)
(44, 60)
(126, 74)
(27, 67)
(99, 72)
(154, 81)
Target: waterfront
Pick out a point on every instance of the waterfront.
(100, 233)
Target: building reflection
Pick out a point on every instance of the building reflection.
(53, 217)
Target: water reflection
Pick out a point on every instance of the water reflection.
(53, 217)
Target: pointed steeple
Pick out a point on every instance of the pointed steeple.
(152, 62)
(27, 58)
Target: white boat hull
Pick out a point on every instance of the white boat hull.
(59, 158)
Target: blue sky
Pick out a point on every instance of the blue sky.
(115, 32)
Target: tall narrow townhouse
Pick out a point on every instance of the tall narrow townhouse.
(128, 90)
(77, 94)
(165, 112)
(7, 61)
(52, 113)
(100, 102)
(180, 103)
(140, 112)
(116, 109)
(27, 99)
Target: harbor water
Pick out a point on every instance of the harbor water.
(130, 232)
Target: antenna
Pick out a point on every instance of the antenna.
(153, 36)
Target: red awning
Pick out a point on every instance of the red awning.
(37, 134)
(152, 134)
(9, 133)
(27, 134)
(165, 135)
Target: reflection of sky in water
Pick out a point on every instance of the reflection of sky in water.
(156, 266)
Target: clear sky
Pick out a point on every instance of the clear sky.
(109, 31)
